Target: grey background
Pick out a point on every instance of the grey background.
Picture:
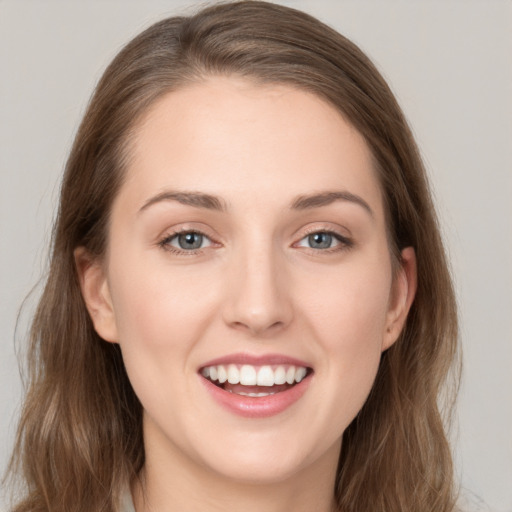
(450, 65)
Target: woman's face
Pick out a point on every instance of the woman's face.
(248, 241)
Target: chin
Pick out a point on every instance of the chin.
(262, 470)
(263, 459)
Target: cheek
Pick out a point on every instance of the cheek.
(347, 315)
(158, 307)
(349, 307)
(160, 317)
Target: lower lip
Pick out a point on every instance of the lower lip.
(257, 407)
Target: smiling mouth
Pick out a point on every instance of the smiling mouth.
(255, 381)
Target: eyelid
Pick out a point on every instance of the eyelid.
(324, 227)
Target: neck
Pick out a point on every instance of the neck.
(233, 496)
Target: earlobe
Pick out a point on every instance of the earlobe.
(96, 294)
(402, 297)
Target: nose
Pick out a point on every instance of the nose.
(258, 294)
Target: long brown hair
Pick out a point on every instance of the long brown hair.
(80, 436)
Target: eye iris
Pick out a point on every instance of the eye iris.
(320, 240)
(190, 240)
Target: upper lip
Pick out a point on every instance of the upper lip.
(256, 360)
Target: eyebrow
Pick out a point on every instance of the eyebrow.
(326, 198)
(197, 199)
(211, 202)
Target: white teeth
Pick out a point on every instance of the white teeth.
(233, 374)
(249, 375)
(280, 375)
(300, 373)
(242, 393)
(265, 376)
(222, 374)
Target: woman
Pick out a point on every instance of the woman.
(248, 303)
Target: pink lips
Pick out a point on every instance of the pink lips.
(270, 359)
(256, 407)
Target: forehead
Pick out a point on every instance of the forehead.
(229, 136)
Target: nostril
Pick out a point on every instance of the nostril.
(258, 326)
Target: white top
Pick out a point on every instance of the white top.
(127, 502)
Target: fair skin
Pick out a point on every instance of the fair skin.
(272, 273)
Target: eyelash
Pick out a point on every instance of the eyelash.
(344, 243)
(165, 243)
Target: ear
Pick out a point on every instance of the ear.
(401, 298)
(96, 294)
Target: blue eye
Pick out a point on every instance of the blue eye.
(323, 240)
(320, 240)
(187, 241)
